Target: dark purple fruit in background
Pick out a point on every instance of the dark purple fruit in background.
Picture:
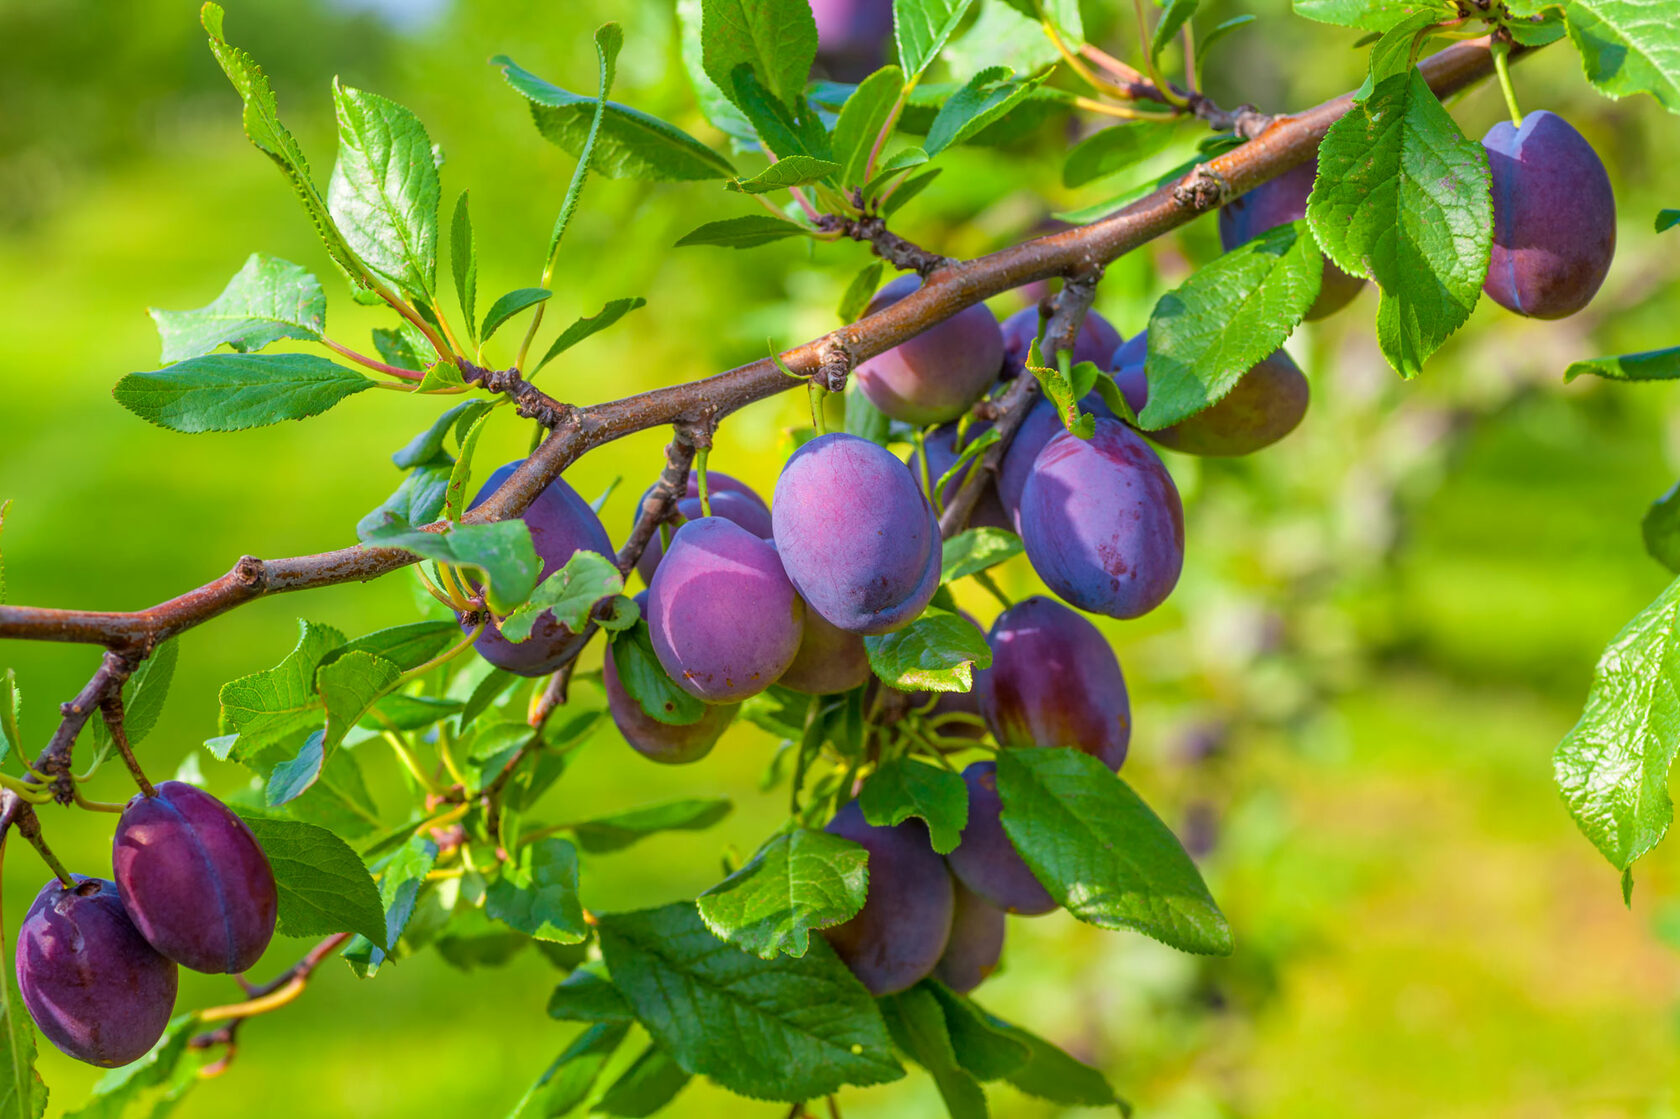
(1096, 340)
(852, 36)
(1054, 681)
(856, 535)
(657, 741)
(1267, 403)
(1554, 217)
(1102, 522)
(943, 449)
(724, 619)
(730, 499)
(939, 373)
(1284, 199)
(986, 861)
(1041, 425)
(976, 942)
(194, 879)
(829, 660)
(898, 936)
(561, 523)
(89, 979)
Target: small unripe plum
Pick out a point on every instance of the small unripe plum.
(1041, 425)
(562, 524)
(830, 659)
(986, 861)
(1272, 203)
(896, 939)
(1102, 522)
(1096, 340)
(856, 534)
(852, 36)
(943, 448)
(657, 741)
(724, 619)
(1554, 217)
(939, 373)
(976, 943)
(194, 879)
(1267, 403)
(89, 979)
(730, 499)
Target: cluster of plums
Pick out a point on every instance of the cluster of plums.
(96, 961)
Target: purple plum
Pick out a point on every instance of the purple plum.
(976, 943)
(1096, 340)
(730, 499)
(830, 659)
(1266, 404)
(898, 936)
(938, 374)
(943, 448)
(1041, 425)
(986, 861)
(1272, 203)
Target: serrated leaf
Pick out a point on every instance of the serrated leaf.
(977, 549)
(584, 327)
(1368, 15)
(1626, 46)
(604, 834)
(1226, 318)
(917, 1024)
(776, 38)
(860, 121)
(785, 1029)
(114, 1092)
(268, 707)
(455, 496)
(537, 892)
(500, 551)
(268, 299)
(983, 1047)
(1652, 365)
(401, 346)
(987, 97)
(791, 171)
(324, 888)
(463, 261)
(800, 880)
(570, 1080)
(231, 392)
(745, 232)
(785, 128)
(384, 191)
(147, 689)
(921, 27)
(406, 646)
(400, 882)
(937, 652)
(653, 1081)
(570, 594)
(587, 996)
(508, 306)
(350, 684)
(1177, 13)
(903, 788)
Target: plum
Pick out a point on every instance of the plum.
(1554, 217)
(1040, 426)
(724, 619)
(986, 861)
(1266, 404)
(730, 499)
(939, 373)
(852, 36)
(562, 523)
(1279, 200)
(1096, 340)
(657, 741)
(943, 448)
(88, 978)
(976, 943)
(1054, 681)
(856, 534)
(898, 936)
(194, 879)
(829, 660)
(1102, 522)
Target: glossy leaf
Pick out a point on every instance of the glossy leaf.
(903, 787)
(570, 593)
(776, 38)
(937, 652)
(231, 392)
(536, 892)
(975, 550)
(584, 327)
(324, 888)
(921, 28)
(745, 232)
(267, 300)
(1652, 365)
(604, 834)
(799, 881)
(508, 306)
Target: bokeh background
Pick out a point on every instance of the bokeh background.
(1386, 622)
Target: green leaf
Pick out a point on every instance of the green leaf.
(399, 888)
(714, 106)
(500, 551)
(1667, 220)
(324, 888)
(903, 787)
(798, 881)
(587, 996)
(268, 707)
(486, 692)
(631, 145)
(921, 27)
(937, 652)
(402, 346)
(384, 190)
(1102, 853)
(621, 829)
(23, 1095)
(785, 1029)
(1613, 766)
(418, 500)
(983, 1046)
(1117, 148)
(913, 186)
(267, 300)
(860, 121)
(294, 776)
(350, 684)
(231, 392)
(121, 1087)
(463, 261)
(427, 447)
(1652, 365)
(455, 496)
(609, 40)
(792, 171)
(776, 38)
(1626, 46)
(406, 646)
(985, 99)
(508, 306)
(1368, 15)
(570, 594)
(1661, 529)
(863, 419)
(1050, 1074)
(1177, 14)
(147, 689)
(537, 892)
(745, 232)
(917, 1024)
(859, 292)
(1227, 317)
(571, 1079)
(1403, 197)
(408, 712)
(1061, 14)
(648, 1085)
(646, 681)
(785, 128)
(975, 550)
(11, 708)
(584, 327)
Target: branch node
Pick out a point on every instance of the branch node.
(1202, 190)
(835, 363)
(528, 400)
(871, 229)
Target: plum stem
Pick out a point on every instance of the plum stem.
(112, 709)
(29, 825)
(985, 579)
(1502, 69)
(700, 474)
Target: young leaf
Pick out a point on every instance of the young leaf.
(1063, 15)
(268, 707)
(231, 392)
(986, 98)
(745, 232)
(1368, 15)
(267, 300)
(906, 191)
(536, 892)
(618, 831)
(384, 190)
(146, 691)
(324, 888)
(1116, 148)
(569, 593)
(508, 306)
(784, 1029)
(776, 38)
(800, 880)
(1102, 853)
(1227, 317)
(1652, 365)
(860, 121)
(903, 788)
(937, 652)
(646, 681)
(500, 551)
(609, 40)
(793, 171)
(587, 996)
(427, 447)
(570, 1080)
(859, 292)
(1661, 529)
(463, 261)
(11, 707)
(647, 1086)
(417, 501)
(399, 888)
(1177, 14)
(917, 1024)
(584, 327)
(921, 28)
(977, 549)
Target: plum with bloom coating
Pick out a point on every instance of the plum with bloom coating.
(666, 743)
(936, 375)
(1272, 203)
(976, 942)
(730, 499)
(1266, 404)
(895, 940)
(985, 860)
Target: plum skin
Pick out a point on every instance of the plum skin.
(898, 936)
(934, 376)
(1054, 681)
(562, 524)
(724, 618)
(90, 981)
(976, 942)
(665, 743)
(730, 499)
(1102, 522)
(985, 861)
(856, 534)
(1267, 403)
(829, 660)
(194, 880)
(1554, 217)
(1272, 203)
(1041, 425)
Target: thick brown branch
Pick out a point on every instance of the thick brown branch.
(661, 499)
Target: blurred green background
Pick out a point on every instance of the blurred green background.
(1386, 622)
